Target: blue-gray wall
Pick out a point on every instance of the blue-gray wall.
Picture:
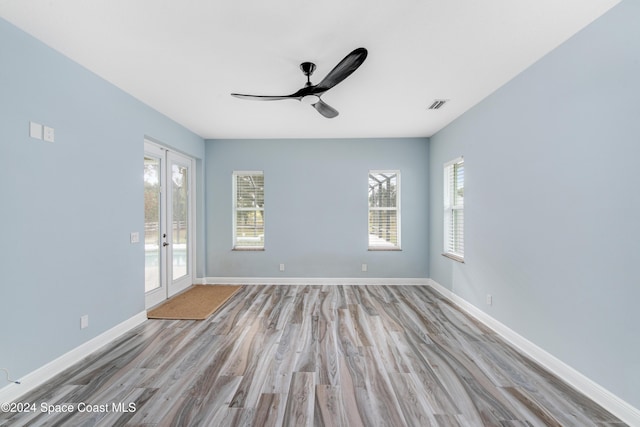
(316, 207)
(67, 208)
(552, 205)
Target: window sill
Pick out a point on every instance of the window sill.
(247, 249)
(383, 249)
(454, 257)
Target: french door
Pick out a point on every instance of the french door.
(168, 223)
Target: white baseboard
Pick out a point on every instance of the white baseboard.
(591, 389)
(36, 378)
(312, 281)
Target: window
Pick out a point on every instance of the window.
(384, 210)
(454, 209)
(248, 210)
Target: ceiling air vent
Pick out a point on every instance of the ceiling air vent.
(438, 104)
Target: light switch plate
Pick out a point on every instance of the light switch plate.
(35, 130)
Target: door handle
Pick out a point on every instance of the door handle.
(165, 244)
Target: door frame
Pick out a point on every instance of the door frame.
(170, 287)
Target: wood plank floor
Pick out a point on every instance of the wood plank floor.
(314, 355)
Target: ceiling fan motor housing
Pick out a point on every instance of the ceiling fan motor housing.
(308, 68)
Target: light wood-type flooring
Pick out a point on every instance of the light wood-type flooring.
(314, 356)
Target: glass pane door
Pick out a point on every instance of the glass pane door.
(152, 242)
(179, 205)
(155, 266)
(180, 219)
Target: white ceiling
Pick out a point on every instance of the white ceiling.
(184, 57)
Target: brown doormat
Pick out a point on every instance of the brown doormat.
(197, 303)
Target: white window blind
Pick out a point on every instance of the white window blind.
(384, 210)
(454, 209)
(248, 210)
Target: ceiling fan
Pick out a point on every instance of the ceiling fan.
(310, 93)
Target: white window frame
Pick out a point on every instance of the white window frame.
(387, 246)
(453, 236)
(235, 245)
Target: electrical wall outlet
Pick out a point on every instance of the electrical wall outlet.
(281, 267)
(134, 237)
(48, 134)
(84, 321)
(489, 299)
(364, 267)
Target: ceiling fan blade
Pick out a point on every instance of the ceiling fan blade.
(263, 97)
(325, 109)
(348, 65)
